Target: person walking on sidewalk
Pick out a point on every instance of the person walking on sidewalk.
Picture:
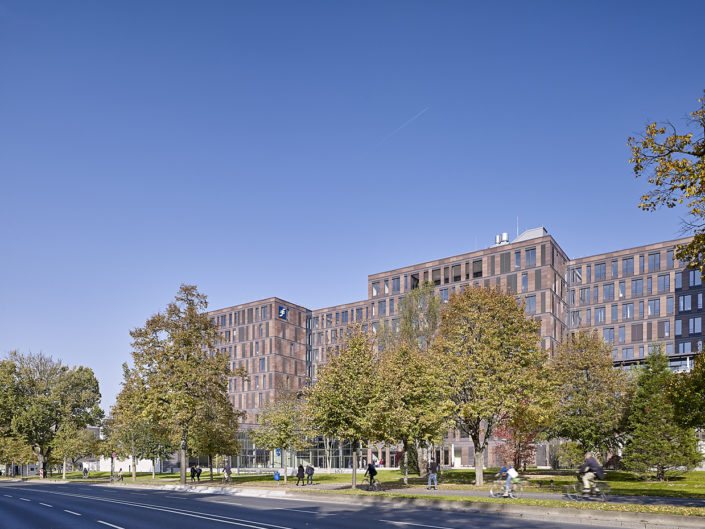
(309, 474)
(432, 474)
(300, 475)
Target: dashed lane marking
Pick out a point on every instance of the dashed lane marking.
(45, 504)
(109, 524)
(7, 495)
(71, 512)
(25, 499)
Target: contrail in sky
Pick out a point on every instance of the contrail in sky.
(403, 125)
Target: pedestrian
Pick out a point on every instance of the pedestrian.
(300, 476)
(227, 470)
(85, 472)
(309, 474)
(432, 474)
(198, 472)
(120, 475)
(193, 473)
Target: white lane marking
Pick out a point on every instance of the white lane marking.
(25, 499)
(393, 522)
(7, 495)
(45, 504)
(71, 512)
(173, 510)
(109, 524)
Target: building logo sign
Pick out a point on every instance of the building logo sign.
(283, 312)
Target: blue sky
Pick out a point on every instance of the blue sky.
(289, 149)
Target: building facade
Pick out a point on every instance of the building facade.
(637, 299)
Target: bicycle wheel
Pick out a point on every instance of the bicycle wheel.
(497, 489)
(377, 486)
(573, 492)
(602, 489)
(516, 490)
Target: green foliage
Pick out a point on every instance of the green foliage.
(687, 393)
(339, 402)
(419, 317)
(39, 397)
(675, 165)
(592, 395)
(14, 449)
(570, 454)
(656, 443)
(492, 363)
(179, 373)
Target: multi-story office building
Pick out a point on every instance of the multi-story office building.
(636, 299)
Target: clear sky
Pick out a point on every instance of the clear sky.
(289, 149)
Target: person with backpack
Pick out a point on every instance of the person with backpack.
(589, 470)
(372, 472)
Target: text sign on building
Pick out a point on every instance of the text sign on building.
(283, 312)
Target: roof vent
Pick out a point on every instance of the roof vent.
(497, 239)
(505, 238)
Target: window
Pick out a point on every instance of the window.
(695, 325)
(669, 259)
(628, 353)
(530, 257)
(641, 264)
(576, 276)
(622, 334)
(358, 314)
(684, 347)
(599, 314)
(444, 295)
(695, 278)
(477, 268)
(585, 295)
(700, 301)
(588, 273)
(600, 271)
(375, 289)
(678, 283)
(669, 305)
(588, 314)
(608, 291)
(344, 317)
(615, 313)
(517, 259)
(664, 283)
(382, 308)
(654, 261)
(684, 303)
(531, 304)
(391, 306)
(622, 289)
(628, 266)
(666, 329)
(456, 273)
(637, 287)
(615, 269)
(654, 307)
(641, 309)
(627, 311)
(446, 275)
(649, 283)
(524, 282)
(594, 293)
(386, 287)
(575, 318)
(436, 276)
(669, 348)
(608, 334)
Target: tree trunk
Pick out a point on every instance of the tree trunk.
(354, 464)
(406, 464)
(422, 459)
(210, 466)
(182, 458)
(285, 460)
(134, 466)
(154, 464)
(63, 470)
(479, 464)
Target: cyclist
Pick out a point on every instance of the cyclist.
(372, 471)
(509, 472)
(589, 470)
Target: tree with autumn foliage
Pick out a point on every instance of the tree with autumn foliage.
(674, 164)
(592, 395)
(518, 433)
(180, 370)
(687, 393)
(339, 404)
(409, 404)
(492, 363)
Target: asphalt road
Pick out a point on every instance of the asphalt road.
(76, 506)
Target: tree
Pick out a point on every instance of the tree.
(674, 164)
(179, 370)
(657, 444)
(592, 394)
(519, 431)
(687, 393)
(339, 403)
(283, 424)
(408, 404)
(71, 444)
(14, 451)
(43, 396)
(419, 317)
(490, 354)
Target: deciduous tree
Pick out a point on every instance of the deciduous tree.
(674, 164)
(339, 402)
(592, 394)
(687, 393)
(656, 443)
(492, 363)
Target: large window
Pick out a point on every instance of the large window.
(477, 268)
(654, 262)
(669, 259)
(530, 257)
(600, 314)
(600, 271)
(628, 266)
(375, 289)
(396, 286)
(615, 312)
(531, 304)
(517, 259)
(684, 303)
(695, 278)
(524, 282)
(608, 291)
(627, 311)
(637, 287)
(615, 268)
(585, 295)
(608, 334)
(654, 307)
(664, 283)
(695, 325)
(456, 273)
(622, 289)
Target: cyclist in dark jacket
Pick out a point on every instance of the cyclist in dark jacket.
(591, 469)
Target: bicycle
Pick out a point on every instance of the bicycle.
(498, 489)
(598, 491)
(372, 484)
